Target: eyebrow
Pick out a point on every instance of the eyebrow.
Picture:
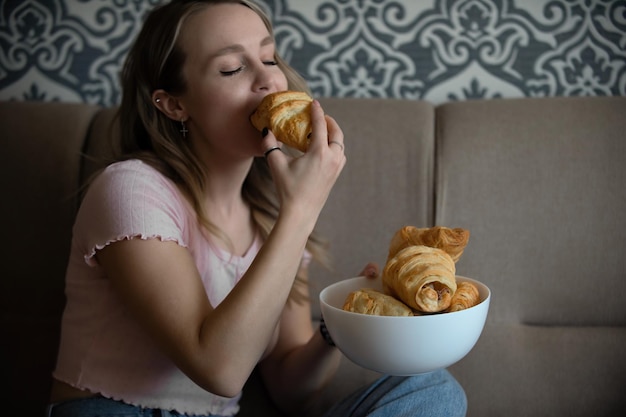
(239, 48)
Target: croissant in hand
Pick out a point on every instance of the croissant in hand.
(422, 277)
(288, 115)
(452, 241)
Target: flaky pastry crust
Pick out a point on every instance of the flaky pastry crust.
(288, 115)
(370, 301)
(466, 296)
(422, 277)
(451, 241)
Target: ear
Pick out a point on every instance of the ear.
(169, 105)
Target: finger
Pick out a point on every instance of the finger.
(270, 150)
(273, 151)
(319, 134)
(335, 134)
(269, 142)
(371, 270)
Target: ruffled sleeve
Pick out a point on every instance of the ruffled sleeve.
(127, 200)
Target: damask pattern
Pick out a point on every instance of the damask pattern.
(436, 50)
(66, 50)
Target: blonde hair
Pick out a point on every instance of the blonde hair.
(155, 62)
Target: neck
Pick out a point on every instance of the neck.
(227, 210)
(223, 188)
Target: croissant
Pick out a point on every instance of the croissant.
(466, 296)
(422, 277)
(370, 301)
(288, 115)
(452, 241)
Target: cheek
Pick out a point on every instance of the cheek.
(283, 83)
(216, 104)
(215, 99)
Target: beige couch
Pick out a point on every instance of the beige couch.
(540, 183)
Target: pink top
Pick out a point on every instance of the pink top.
(102, 348)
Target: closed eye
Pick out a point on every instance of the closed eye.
(241, 68)
(231, 73)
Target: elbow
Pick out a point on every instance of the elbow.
(218, 371)
(224, 390)
(225, 383)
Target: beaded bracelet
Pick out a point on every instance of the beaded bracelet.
(324, 331)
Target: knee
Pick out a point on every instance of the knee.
(452, 400)
(458, 394)
(434, 394)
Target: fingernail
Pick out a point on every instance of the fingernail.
(264, 132)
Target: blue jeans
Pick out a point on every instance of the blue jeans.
(436, 394)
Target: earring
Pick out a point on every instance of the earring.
(183, 129)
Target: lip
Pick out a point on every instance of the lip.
(254, 109)
(250, 120)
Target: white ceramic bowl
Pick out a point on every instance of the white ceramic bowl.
(401, 345)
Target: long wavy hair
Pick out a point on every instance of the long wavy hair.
(155, 61)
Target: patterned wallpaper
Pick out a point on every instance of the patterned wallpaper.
(436, 50)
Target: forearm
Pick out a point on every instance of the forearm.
(238, 331)
(296, 379)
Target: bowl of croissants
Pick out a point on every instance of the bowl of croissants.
(419, 315)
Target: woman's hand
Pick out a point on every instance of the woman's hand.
(304, 182)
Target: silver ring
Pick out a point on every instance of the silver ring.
(336, 143)
(272, 149)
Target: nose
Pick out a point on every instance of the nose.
(267, 78)
(262, 81)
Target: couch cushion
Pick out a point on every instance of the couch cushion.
(524, 370)
(42, 145)
(540, 185)
(40, 159)
(101, 143)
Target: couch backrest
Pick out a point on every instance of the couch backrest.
(540, 183)
(40, 161)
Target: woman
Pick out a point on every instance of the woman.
(189, 258)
